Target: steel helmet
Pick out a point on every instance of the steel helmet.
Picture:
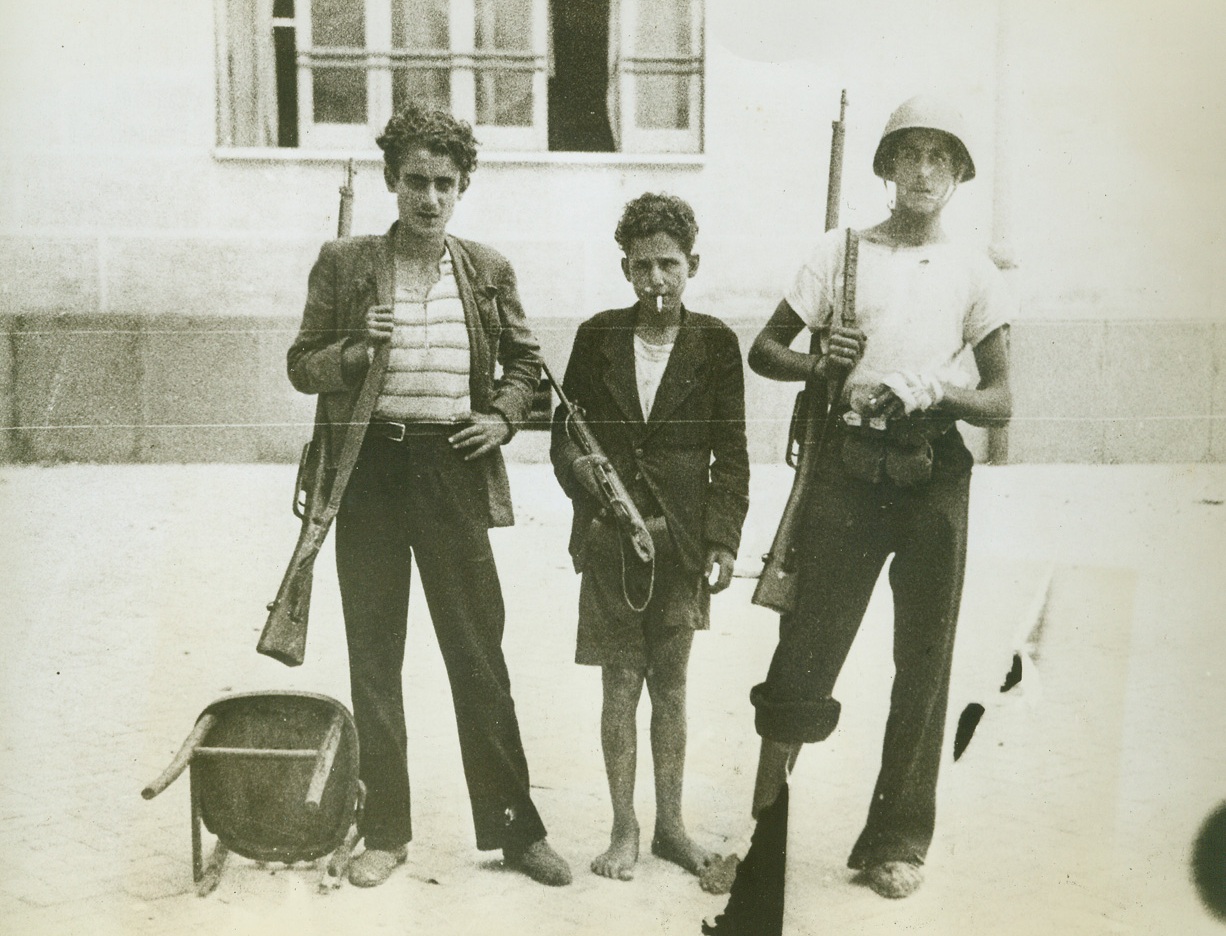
(930, 113)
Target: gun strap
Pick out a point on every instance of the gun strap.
(651, 581)
(851, 260)
(355, 433)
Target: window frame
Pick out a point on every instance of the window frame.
(464, 64)
(462, 59)
(636, 139)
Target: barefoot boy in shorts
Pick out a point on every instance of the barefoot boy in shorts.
(663, 390)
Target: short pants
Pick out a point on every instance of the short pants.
(611, 633)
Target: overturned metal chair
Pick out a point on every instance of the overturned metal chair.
(274, 775)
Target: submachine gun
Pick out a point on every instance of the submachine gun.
(613, 492)
(616, 499)
(812, 416)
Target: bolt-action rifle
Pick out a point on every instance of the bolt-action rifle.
(812, 415)
(317, 493)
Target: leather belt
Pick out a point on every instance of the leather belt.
(398, 431)
(903, 429)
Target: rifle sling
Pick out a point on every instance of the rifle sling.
(363, 409)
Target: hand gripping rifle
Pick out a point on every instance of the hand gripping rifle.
(812, 414)
(316, 502)
(616, 498)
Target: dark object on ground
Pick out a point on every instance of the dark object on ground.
(755, 904)
(1209, 862)
(275, 777)
(968, 721)
(1014, 676)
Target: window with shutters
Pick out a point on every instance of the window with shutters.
(529, 75)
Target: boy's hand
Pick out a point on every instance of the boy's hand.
(721, 559)
(380, 320)
(483, 433)
(584, 469)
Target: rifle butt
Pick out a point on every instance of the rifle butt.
(776, 588)
(285, 632)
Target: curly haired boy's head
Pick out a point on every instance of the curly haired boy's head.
(653, 213)
(418, 127)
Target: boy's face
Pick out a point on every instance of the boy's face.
(656, 265)
(427, 187)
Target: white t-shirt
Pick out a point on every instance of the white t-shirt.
(920, 307)
(650, 361)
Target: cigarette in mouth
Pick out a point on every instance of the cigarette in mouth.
(659, 304)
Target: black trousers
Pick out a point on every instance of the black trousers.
(419, 497)
(852, 528)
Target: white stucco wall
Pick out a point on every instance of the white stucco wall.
(108, 117)
(114, 199)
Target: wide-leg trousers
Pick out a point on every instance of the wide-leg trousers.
(418, 497)
(851, 529)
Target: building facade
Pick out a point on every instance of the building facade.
(171, 170)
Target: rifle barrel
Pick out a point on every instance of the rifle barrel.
(344, 217)
(834, 185)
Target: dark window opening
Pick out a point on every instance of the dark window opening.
(285, 49)
(578, 108)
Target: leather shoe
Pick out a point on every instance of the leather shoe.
(373, 866)
(540, 862)
(894, 879)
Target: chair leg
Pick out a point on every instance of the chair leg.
(337, 866)
(212, 874)
(197, 854)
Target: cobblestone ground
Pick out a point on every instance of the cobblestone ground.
(133, 597)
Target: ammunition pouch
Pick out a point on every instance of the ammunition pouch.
(863, 454)
(901, 452)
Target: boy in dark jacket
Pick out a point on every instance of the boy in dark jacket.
(663, 390)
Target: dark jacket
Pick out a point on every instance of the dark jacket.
(328, 357)
(688, 463)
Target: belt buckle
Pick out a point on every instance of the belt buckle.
(396, 425)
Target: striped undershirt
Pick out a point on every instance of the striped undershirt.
(427, 373)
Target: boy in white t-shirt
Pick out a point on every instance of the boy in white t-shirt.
(893, 479)
(663, 390)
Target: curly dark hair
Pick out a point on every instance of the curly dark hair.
(417, 125)
(653, 213)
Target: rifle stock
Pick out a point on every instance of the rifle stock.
(776, 588)
(284, 634)
(809, 426)
(285, 631)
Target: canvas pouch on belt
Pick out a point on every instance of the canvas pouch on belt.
(902, 452)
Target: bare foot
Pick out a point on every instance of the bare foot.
(622, 855)
(682, 850)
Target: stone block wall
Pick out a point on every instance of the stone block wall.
(138, 387)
